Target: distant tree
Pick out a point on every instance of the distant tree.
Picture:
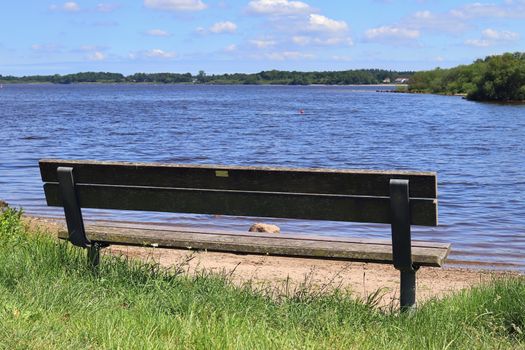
(495, 78)
(500, 78)
(201, 77)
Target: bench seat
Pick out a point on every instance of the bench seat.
(306, 246)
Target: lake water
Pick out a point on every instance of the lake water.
(477, 149)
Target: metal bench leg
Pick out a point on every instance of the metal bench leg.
(402, 242)
(407, 298)
(74, 220)
(72, 212)
(94, 255)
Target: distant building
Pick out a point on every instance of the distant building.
(386, 81)
(401, 81)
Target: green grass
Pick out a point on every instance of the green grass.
(49, 299)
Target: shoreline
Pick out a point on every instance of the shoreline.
(363, 279)
(393, 86)
(460, 263)
(191, 84)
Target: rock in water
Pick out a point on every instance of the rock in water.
(3, 204)
(260, 227)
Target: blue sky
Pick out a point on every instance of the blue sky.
(47, 37)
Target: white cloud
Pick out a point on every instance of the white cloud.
(288, 55)
(458, 19)
(423, 15)
(298, 24)
(303, 40)
(218, 28)
(319, 30)
(437, 22)
(335, 41)
(176, 5)
(157, 32)
(477, 10)
(503, 35)
(155, 53)
(96, 56)
(321, 23)
(492, 37)
(158, 53)
(263, 43)
(478, 42)
(391, 33)
(278, 7)
(223, 27)
(72, 6)
(92, 52)
(507, 9)
(69, 6)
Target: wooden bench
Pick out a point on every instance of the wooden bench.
(400, 199)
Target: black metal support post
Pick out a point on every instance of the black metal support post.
(407, 298)
(75, 223)
(94, 255)
(402, 242)
(74, 220)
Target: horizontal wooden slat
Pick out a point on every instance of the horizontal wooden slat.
(243, 203)
(168, 227)
(265, 179)
(423, 253)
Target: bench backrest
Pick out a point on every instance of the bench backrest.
(312, 194)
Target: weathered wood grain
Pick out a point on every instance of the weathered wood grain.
(319, 236)
(424, 253)
(264, 179)
(245, 203)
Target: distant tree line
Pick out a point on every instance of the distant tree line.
(84, 77)
(495, 78)
(360, 76)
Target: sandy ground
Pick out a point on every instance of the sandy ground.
(288, 275)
